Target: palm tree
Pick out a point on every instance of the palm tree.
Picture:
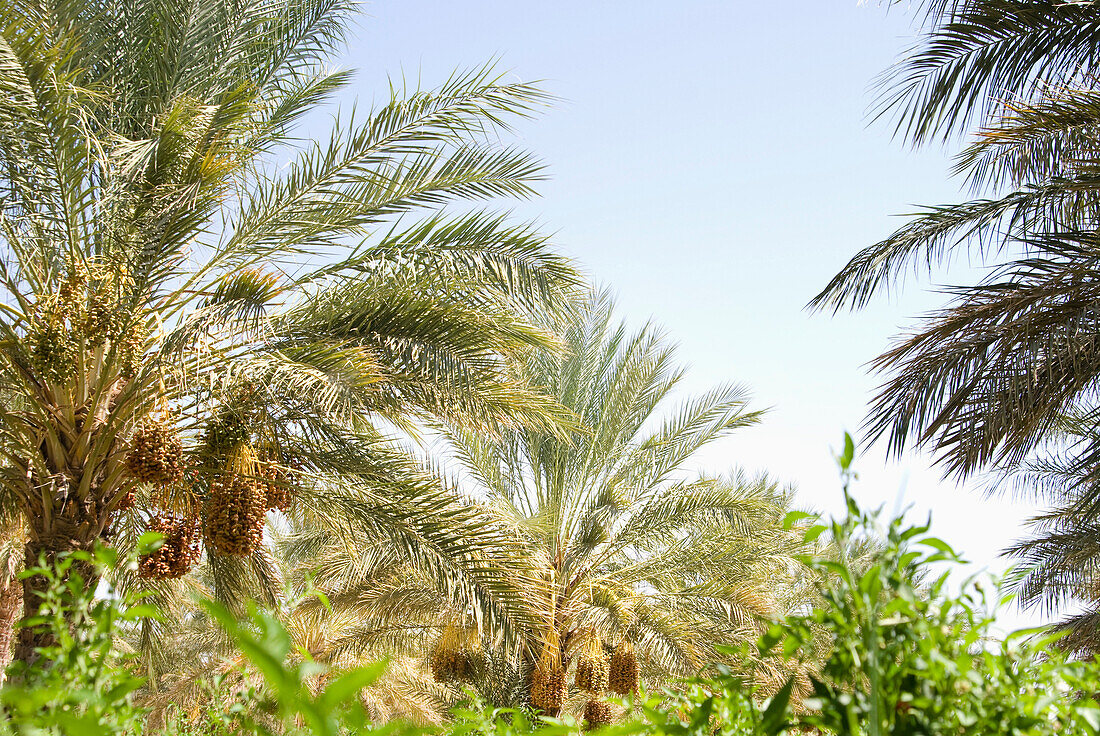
(11, 589)
(991, 380)
(204, 312)
(985, 376)
(624, 550)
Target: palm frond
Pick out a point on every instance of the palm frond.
(977, 57)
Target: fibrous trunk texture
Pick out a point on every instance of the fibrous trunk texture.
(62, 524)
(11, 604)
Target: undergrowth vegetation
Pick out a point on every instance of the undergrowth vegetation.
(895, 643)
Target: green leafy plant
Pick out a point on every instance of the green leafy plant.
(901, 652)
(893, 646)
(79, 684)
(265, 642)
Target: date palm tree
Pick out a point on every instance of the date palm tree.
(184, 274)
(983, 378)
(622, 543)
(990, 380)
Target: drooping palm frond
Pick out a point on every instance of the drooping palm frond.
(1059, 574)
(1046, 151)
(978, 57)
(983, 229)
(1005, 376)
(990, 375)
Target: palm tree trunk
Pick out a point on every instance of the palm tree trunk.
(72, 525)
(31, 638)
(13, 537)
(11, 604)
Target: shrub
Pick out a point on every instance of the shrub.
(79, 685)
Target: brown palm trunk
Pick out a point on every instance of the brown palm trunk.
(11, 604)
(31, 638)
(72, 525)
(13, 535)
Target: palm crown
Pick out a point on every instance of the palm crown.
(204, 314)
(621, 544)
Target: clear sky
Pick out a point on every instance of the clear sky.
(714, 163)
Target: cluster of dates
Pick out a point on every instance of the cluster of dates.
(242, 488)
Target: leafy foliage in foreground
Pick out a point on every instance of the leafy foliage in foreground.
(896, 657)
(80, 684)
(904, 654)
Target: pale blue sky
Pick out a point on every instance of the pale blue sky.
(713, 162)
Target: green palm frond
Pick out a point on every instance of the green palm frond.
(984, 228)
(976, 58)
(409, 154)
